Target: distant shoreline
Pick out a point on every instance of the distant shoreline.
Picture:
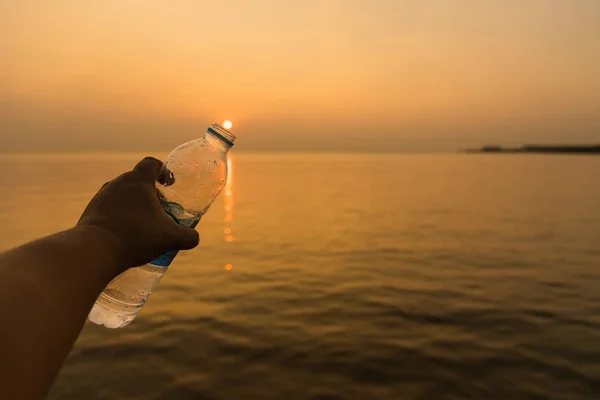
(544, 149)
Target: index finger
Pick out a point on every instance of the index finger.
(149, 168)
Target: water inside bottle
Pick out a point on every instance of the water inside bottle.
(121, 301)
(124, 297)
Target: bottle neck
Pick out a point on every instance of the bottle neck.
(217, 142)
(221, 134)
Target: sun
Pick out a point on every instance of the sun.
(227, 124)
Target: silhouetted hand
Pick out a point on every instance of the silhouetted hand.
(127, 214)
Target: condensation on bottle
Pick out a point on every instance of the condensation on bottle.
(190, 180)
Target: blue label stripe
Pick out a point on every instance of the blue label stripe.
(166, 259)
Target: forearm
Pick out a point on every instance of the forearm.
(47, 288)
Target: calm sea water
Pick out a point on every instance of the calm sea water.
(349, 277)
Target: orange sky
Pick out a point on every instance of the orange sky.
(329, 74)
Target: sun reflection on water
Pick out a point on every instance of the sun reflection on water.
(229, 204)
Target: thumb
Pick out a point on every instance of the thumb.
(185, 238)
(149, 168)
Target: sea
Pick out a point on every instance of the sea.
(348, 276)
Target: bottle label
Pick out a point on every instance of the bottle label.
(166, 259)
(173, 209)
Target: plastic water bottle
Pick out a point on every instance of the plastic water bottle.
(189, 182)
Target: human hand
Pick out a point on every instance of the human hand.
(127, 214)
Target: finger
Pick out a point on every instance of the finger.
(165, 177)
(149, 168)
(186, 238)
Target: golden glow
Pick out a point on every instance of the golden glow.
(227, 124)
(227, 231)
(442, 73)
(228, 267)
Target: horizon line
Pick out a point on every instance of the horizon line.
(243, 151)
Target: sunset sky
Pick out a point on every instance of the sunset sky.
(298, 75)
